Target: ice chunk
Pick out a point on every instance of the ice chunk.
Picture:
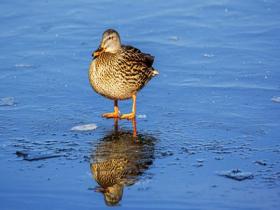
(7, 101)
(200, 160)
(23, 65)
(173, 38)
(276, 99)
(86, 127)
(261, 162)
(236, 174)
(141, 116)
(208, 55)
(34, 156)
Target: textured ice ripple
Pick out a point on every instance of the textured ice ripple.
(41, 150)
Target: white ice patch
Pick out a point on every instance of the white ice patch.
(208, 55)
(23, 65)
(86, 127)
(7, 101)
(276, 99)
(141, 116)
(173, 38)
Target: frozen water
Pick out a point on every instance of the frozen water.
(86, 127)
(216, 98)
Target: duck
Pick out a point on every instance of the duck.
(119, 72)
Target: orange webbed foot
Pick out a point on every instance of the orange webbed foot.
(129, 116)
(111, 115)
(114, 114)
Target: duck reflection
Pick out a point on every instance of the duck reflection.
(119, 160)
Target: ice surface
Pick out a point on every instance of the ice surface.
(86, 127)
(219, 64)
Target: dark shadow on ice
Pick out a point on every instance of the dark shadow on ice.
(118, 160)
(34, 156)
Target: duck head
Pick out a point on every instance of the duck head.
(110, 42)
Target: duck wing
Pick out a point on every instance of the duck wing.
(134, 55)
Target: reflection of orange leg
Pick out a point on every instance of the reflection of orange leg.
(114, 114)
(116, 125)
(131, 115)
(134, 128)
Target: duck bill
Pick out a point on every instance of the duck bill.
(97, 52)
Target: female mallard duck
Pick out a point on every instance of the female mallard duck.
(118, 72)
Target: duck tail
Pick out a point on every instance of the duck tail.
(155, 72)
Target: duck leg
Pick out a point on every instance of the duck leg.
(114, 114)
(131, 115)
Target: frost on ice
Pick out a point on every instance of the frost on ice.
(86, 127)
(141, 116)
(207, 55)
(7, 101)
(276, 99)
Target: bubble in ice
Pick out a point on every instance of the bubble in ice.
(85, 127)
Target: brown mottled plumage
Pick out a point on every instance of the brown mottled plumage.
(118, 160)
(118, 72)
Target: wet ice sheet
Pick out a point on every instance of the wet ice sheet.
(219, 64)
